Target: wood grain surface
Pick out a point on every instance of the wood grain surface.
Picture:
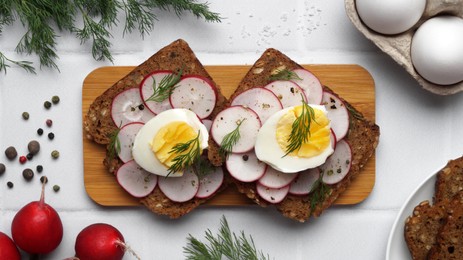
(351, 82)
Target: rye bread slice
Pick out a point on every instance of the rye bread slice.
(449, 180)
(99, 125)
(363, 137)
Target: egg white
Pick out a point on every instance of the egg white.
(268, 150)
(141, 150)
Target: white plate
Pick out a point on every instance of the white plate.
(396, 245)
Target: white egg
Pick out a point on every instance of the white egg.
(268, 149)
(390, 16)
(141, 149)
(437, 50)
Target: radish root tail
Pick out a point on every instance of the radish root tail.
(127, 248)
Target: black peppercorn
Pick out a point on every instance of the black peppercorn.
(9, 184)
(245, 157)
(29, 156)
(44, 179)
(11, 153)
(40, 131)
(51, 136)
(28, 174)
(39, 168)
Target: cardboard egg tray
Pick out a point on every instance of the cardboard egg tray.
(398, 46)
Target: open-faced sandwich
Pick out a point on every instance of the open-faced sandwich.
(154, 124)
(289, 141)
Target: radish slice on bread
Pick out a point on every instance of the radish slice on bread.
(126, 136)
(289, 93)
(136, 181)
(337, 113)
(272, 195)
(229, 120)
(276, 179)
(311, 86)
(263, 101)
(210, 183)
(195, 93)
(180, 189)
(302, 184)
(338, 164)
(148, 86)
(245, 167)
(128, 107)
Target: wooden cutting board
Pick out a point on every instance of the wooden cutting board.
(351, 82)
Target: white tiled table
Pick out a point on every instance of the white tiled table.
(419, 131)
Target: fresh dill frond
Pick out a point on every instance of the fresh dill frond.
(165, 87)
(318, 192)
(284, 74)
(230, 139)
(226, 245)
(26, 65)
(114, 146)
(199, 10)
(202, 167)
(187, 154)
(300, 129)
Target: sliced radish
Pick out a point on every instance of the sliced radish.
(207, 123)
(210, 183)
(147, 87)
(337, 113)
(338, 164)
(196, 94)
(261, 100)
(180, 189)
(245, 167)
(311, 86)
(333, 139)
(302, 185)
(272, 195)
(136, 181)
(276, 179)
(126, 136)
(228, 120)
(289, 93)
(128, 107)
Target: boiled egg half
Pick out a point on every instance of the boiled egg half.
(273, 140)
(152, 147)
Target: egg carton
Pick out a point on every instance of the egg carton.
(398, 46)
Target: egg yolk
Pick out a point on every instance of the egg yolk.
(169, 136)
(319, 133)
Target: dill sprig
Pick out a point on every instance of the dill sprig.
(187, 154)
(284, 74)
(165, 87)
(226, 245)
(114, 146)
(300, 129)
(26, 65)
(45, 19)
(318, 193)
(230, 139)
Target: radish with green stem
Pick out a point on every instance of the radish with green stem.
(37, 227)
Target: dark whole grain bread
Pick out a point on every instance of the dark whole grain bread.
(449, 180)
(99, 125)
(363, 137)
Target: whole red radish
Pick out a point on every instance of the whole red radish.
(8, 249)
(100, 241)
(37, 227)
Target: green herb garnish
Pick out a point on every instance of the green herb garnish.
(300, 129)
(285, 74)
(114, 147)
(165, 87)
(318, 192)
(229, 140)
(44, 20)
(188, 153)
(226, 245)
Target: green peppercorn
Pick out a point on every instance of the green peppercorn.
(47, 104)
(44, 179)
(11, 153)
(55, 154)
(2, 168)
(55, 100)
(9, 184)
(25, 115)
(33, 147)
(39, 168)
(56, 188)
(28, 174)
